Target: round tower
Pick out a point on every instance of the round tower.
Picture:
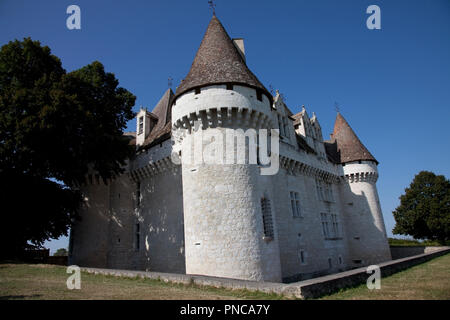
(366, 231)
(225, 228)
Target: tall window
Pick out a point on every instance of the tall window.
(302, 256)
(295, 204)
(267, 218)
(319, 189)
(141, 125)
(325, 227)
(324, 191)
(328, 192)
(335, 225)
(137, 235)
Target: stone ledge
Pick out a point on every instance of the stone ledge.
(311, 288)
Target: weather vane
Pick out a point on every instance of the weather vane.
(212, 6)
(169, 82)
(336, 107)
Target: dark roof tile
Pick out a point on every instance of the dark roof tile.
(217, 62)
(345, 146)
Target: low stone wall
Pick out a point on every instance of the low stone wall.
(312, 288)
(399, 252)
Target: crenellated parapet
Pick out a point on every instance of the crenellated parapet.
(152, 168)
(295, 167)
(226, 116)
(369, 176)
(230, 106)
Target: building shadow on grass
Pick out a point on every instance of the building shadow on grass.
(20, 297)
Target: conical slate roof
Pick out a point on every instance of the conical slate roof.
(217, 62)
(345, 146)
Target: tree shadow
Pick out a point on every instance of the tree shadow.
(20, 297)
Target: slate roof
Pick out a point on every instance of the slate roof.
(163, 129)
(344, 145)
(218, 62)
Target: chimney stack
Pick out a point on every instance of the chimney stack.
(239, 44)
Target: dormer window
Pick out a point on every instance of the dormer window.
(141, 125)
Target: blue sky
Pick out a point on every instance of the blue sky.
(392, 85)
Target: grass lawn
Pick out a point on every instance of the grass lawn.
(40, 281)
(430, 280)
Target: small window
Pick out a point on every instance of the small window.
(302, 256)
(330, 263)
(295, 204)
(141, 125)
(229, 86)
(340, 260)
(197, 90)
(259, 95)
(357, 261)
(267, 218)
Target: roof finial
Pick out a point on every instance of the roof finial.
(336, 107)
(212, 6)
(169, 82)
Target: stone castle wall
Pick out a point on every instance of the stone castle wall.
(207, 218)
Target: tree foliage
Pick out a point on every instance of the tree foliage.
(424, 210)
(61, 252)
(54, 126)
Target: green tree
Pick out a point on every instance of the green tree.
(60, 252)
(54, 127)
(424, 210)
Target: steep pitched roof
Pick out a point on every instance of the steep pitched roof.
(163, 128)
(217, 62)
(345, 146)
(163, 109)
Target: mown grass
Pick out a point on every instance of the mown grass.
(427, 281)
(25, 281)
(430, 281)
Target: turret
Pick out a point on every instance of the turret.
(361, 206)
(229, 224)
